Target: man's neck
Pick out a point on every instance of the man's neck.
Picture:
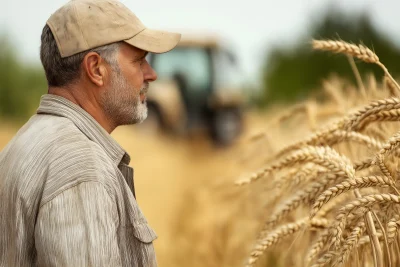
(89, 104)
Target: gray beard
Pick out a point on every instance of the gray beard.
(120, 104)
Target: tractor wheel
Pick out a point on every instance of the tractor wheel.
(226, 126)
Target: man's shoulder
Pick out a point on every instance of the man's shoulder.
(49, 154)
(45, 127)
(47, 136)
(70, 150)
(55, 147)
(72, 158)
(38, 136)
(65, 141)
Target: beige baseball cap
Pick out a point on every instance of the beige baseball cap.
(81, 25)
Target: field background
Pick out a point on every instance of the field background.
(185, 186)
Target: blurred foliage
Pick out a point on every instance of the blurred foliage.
(21, 85)
(293, 73)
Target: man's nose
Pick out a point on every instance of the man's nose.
(150, 74)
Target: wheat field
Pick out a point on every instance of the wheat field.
(332, 196)
(313, 184)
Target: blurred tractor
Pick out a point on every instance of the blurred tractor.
(198, 89)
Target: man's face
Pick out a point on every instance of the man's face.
(124, 101)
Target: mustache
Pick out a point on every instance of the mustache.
(145, 88)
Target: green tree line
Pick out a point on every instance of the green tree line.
(21, 85)
(293, 73)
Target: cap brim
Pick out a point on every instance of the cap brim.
(155, 41)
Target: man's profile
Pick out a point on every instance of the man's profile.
(67, 196)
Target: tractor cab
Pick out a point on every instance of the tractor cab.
(197, 88)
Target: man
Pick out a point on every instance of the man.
(66, 190)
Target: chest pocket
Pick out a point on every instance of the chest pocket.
(144, 233)
(133, 220)
(137, 223)
(137, 241)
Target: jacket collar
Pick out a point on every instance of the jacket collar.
(60, 106)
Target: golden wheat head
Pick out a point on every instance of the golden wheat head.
(358, 51)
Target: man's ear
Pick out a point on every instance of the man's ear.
(94, 67)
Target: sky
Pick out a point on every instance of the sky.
(250, 27)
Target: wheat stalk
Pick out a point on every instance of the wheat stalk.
(327, 178)
(386, 115)
(366, 201)
(366, 239)
(376, 132)
(274, 237)
(358, 76)
(339, 226)
(313, 138)
(359, 182)
(361, 165)
(323, 156)
(334, 137)
(304, 196)
(390, 145)
(392, 228)
(370, 142)
(334, 203)
(317, 246)
(359, 51)
(281, 232)
(383, 167)
(356, 119)
(297, 176)
(326, 259)
(366, 55)
(391, 86)
(319, 223)
(351, 242)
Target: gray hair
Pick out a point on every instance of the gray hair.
(64, 71)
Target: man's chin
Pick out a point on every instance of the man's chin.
(136, 116)
(142, 114)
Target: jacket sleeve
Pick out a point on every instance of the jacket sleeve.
(78, 228)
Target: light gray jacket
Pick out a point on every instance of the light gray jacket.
(67, 195)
